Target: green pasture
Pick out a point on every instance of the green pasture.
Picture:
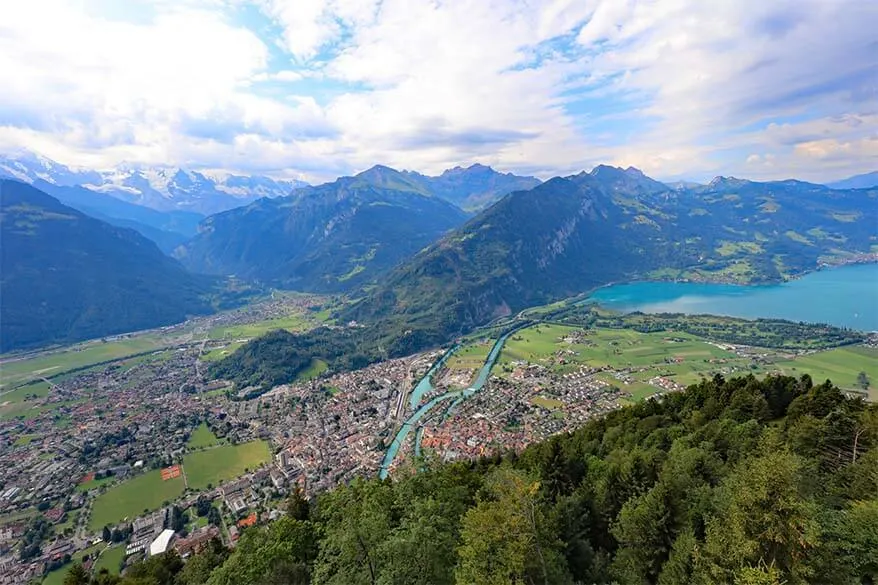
(19, 370)
(202, 437)
(131, 497)
(293, 323)
(470, 357)
(222, 463)
(110, 560)
(841, 365)
(316, 368)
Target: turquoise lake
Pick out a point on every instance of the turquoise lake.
(846, 297)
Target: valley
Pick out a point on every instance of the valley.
(553, 370)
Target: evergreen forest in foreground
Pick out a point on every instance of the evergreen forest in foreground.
(732, 481)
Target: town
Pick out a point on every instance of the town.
(111, 463)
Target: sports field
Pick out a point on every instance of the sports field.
(131, 497)
(202, 437)
(213, 466)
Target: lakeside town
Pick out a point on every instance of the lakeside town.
(85, 440)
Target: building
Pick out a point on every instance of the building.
(161, 543)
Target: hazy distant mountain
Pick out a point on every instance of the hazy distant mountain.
(474, 187)
(331, 237)
(864, 181)
(571, 234)
(159, 188)
(168, 229)
(67, 276)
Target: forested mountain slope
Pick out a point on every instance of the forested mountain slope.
(571, 234)
(333, 237)
(742, 481)
(67, 276)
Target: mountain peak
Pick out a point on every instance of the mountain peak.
(720, 181)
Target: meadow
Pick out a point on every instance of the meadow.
(684, 358)
(202, 437)
(470, 357)
(20, 370)
(841, 365)
(110, 560)
(214, 466)
(131, 497)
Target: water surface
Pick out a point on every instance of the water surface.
(846, 297)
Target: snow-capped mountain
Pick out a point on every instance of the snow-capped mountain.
(158, 188)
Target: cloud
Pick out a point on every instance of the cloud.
(679, 88)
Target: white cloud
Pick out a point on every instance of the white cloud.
(677, 87)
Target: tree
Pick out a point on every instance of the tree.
(297, 505)
(863, 380)
(505, 537)
(106, 534)
(77, 575)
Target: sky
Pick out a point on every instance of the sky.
(315, 89)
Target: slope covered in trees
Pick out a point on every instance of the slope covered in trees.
(67, 276)
(741, 481)
(571, 234)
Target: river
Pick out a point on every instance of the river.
(426, 385)
(846, 296)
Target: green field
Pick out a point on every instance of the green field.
(56, 577)
(16, 371)
(679, 356)
(202, 437)
(547, 403)
(222, 463)
(131, 497)
(839, 365)
(110, 560)
(293, 323)
(90, 485)
(316, 368)
(24, 440)
(470, 357)
(219, 353)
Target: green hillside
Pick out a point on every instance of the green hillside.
(67, 276)
(571, 234)
(333, 237)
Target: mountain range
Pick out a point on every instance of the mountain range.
(163, 189)
(864, 181)
(416, 262)
(571, 234)
(67, 276)
(332, 237)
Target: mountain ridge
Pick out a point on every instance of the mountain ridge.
(68, 276)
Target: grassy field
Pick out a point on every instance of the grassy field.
(56, 577)
(470, 357)
(547, 403)
(316, 368)
(291, 323)
(94, 483)
(110, 560)
(614, 348)
(14, 372)
(202, 437)
(839, 365)
(131, 497)
(680, 356)
(222, 463)
(219, 353)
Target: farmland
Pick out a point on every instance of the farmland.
(213, 466)
(681, 357)
(16, 371)
(131, 497)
